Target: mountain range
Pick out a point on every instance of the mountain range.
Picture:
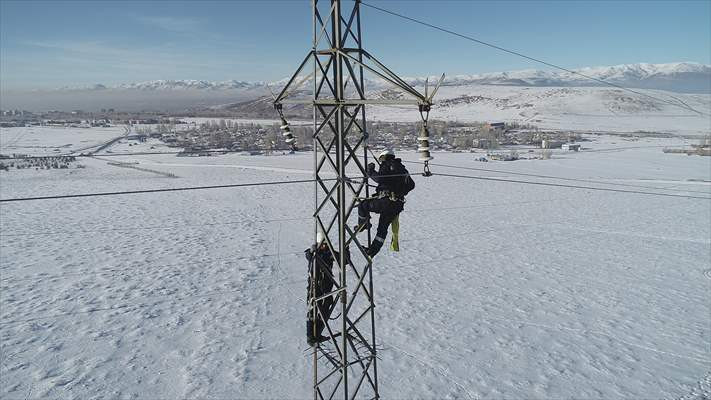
(683, 77)
(482, 95)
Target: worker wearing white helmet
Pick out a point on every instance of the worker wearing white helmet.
(321, 282)
(384, 154)
(394, 183)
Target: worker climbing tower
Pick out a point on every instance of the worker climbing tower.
(345, 366)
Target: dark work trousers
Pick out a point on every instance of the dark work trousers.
(388, 210)
(324, 285)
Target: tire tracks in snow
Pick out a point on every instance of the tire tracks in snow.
(441, 370)
(278, 267)
(583, 332)
(229, 332)
(260, 291)
(702, 390)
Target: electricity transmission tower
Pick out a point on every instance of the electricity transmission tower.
(345, 366)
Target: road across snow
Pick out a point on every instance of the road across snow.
(500, 290)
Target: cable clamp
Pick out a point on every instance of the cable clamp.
(426, 171)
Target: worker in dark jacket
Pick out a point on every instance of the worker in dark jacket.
(394, 182)
(321, 282)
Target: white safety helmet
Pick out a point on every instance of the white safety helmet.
(320, 237)
(383, 154)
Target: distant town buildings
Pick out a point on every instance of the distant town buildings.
(494, 127)
(217, 134)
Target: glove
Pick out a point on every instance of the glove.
(371, 168)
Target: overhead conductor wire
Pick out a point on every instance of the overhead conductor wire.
(16, 199)
(498, 171)
(181, 189)
(485, 178)
(467, 37)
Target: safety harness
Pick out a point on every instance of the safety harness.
(392, 196)
(385, 194)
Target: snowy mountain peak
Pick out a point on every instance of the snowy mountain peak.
(680, 77)
(688, 77)
(189, 84)
(169, 84)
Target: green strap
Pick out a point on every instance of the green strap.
(395, 228)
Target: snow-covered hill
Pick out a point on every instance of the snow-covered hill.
(574, 108)
(549, 99)
(684, 77)
(577, 108)
(168, 84)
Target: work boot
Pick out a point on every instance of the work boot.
(311, 338)
(374, 248)
(312, 341)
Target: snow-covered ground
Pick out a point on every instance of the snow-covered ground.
(500, 290)
(591, 109)
(54, 140)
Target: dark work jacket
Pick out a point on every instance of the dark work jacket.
(324, 269)
(398, 184)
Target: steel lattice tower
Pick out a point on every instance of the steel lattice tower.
(345, 366)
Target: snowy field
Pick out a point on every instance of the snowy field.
(54, 140)
(500, 290)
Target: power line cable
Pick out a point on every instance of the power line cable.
(571, 186)
(242, 221)
(561, 178)
(439, 28)
(407, 161)
(278, 254)
(181, 189)
(349, 180)
(327, 179)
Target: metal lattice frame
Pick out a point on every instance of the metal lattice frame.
(345, 366)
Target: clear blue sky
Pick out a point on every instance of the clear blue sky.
(48, 44)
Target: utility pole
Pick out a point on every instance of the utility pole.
(345, 366)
